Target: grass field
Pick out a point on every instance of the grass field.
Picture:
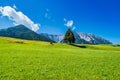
(33, 60)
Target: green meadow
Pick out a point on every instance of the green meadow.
(35, 60)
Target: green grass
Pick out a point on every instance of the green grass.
(34, 60)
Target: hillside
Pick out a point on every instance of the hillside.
(6, 40)
(22, 32)
(33, 60)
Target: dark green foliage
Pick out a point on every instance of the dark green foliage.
(116, 45)
(22, 32)
(69, 37)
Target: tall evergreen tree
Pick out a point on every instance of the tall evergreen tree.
(69, 37)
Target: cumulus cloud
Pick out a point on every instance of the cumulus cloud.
(18, 17)
(68, 23)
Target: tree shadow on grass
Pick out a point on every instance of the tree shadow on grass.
(79, 46)
(116, 45)
(18, 42)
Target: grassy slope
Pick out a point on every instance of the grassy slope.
(31, 60)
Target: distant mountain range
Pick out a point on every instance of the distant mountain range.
(23, 32)
(80, 38)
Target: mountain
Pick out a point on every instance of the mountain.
(80, 38)
(93, 39)
(56, 38)
(22, 32)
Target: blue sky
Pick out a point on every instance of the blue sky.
(100, 17)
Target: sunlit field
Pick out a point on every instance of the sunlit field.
(34, 60)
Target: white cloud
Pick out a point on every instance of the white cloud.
(69, 23)
(18, 17)
(48, 15)
(73, 28)
(65, 19)
(14, 6)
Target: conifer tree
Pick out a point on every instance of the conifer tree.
(69, 37)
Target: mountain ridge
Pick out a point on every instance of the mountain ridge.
(22, 32)
(80, 38)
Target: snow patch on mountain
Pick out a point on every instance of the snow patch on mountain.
(80, 38)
